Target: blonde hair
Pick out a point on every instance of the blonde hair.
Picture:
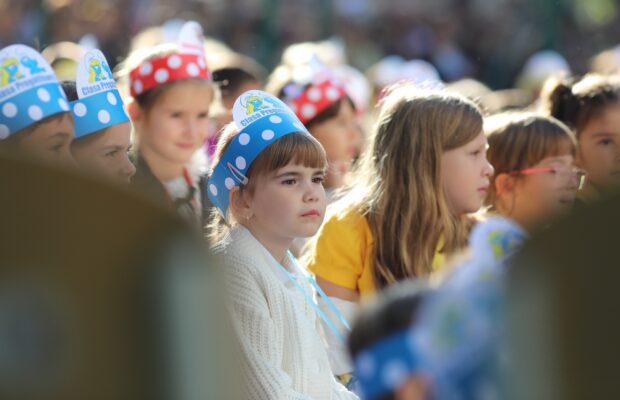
(520, 140)
(398, 184)
(298, 147)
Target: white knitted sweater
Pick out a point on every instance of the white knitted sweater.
(277, 328)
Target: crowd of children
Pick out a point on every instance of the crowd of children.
(317, 202)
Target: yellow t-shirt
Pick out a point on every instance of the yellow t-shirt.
(344, 250)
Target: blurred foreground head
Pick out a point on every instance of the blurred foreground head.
(564, 323)
(102, 295)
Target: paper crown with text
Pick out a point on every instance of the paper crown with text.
(99, 104)
(261, 119)
(29, 90)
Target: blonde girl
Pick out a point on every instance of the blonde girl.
(425, 170)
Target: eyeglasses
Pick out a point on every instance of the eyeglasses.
(561, 173)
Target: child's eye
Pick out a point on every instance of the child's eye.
(606, 142)
(57, 148)
(111, 153)
(176, 114)
(203, 115)
(318, 179)
(289, 182)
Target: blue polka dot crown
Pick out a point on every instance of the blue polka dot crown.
(99, 104)
(29, 90)
(262, 119)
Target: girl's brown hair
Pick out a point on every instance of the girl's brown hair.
(576, 101)
(522, 140)
(299, 148)
(398, 187)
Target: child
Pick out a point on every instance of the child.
(424, 171)
(267, 184)
(35, 121)
(171, 94)
(380, 333)
(102, 128)
(323, 106)
(590, 106)
(535, 176)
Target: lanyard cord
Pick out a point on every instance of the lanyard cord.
(309, 299)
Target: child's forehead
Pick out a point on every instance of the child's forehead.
(295, 167)
(561, 158)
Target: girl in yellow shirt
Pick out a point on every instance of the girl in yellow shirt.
(425, 170)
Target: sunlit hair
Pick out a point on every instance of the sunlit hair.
(397, 184)
(575, 102)
(521, 140)
(298, 148)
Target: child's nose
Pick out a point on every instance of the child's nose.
(488, 169)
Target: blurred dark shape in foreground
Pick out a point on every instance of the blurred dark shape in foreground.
(102, 295)
(564, 324)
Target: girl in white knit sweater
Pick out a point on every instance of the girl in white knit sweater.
(267, 184)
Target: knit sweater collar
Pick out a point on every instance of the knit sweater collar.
(242, 239)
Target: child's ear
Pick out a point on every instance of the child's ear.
(135, 112)
(240, 204)
(504, 184)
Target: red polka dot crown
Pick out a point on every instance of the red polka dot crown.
(323, 91)
(188, 63)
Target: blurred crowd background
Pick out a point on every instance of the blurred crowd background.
(490, 40)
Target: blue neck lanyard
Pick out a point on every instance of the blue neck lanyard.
(309, 299)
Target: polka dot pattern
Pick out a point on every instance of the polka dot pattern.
(146, 69)
(229, 183)
(213, 189)
(62, 103)
(35, 112)
(314, 94)
(4, 131)
(162, 75)
(244, 139)
(79, 109)
(9, 110)
(240, 162)
(111, 98)
(317, 98)
(192, 70)
(274, 119)
(98, 111)
(167, 69)
(103, 116)
(267, 134)
(174, 62)
(138, 87)
(308, 111)
(43, 95)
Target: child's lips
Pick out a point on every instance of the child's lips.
(311, 213)
(185, 146)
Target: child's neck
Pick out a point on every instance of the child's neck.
(275, 245)
(163, 169)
